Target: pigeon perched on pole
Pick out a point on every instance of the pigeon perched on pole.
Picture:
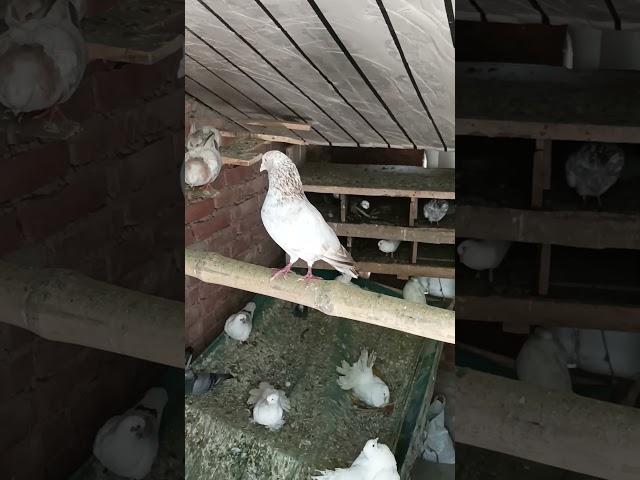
(269, 406)
(360, 378)
(127, 444)
(295, 224)
(375, 462)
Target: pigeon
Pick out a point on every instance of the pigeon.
(413, 291)
(365, 204)
(42, 60)
(202, 160)
(483, 254)
(197, 383)
(238, 326)
(388, 246)
(295, 224)
(435, 210)
(543, 362)
(375, 462)
(594, 168)
(360, 378)
(269, 406)
(127, 444)
(439, 287)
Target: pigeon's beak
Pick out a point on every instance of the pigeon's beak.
(262, 169)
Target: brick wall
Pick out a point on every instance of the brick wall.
(106, 203)
(228, 224)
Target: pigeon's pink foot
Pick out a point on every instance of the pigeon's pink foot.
(309, 276)
(282, 272)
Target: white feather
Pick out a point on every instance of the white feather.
(360, 379)
(269, 406)
(238, 326)
(388, 246)
(483, 254)
(375, 462)
(541, 361)
(413, 291)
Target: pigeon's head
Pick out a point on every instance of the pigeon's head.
(20, 11)
(273, 160)
(272, 398)
(133, 425)
(462, 248)
(378, 454)
(365, 204)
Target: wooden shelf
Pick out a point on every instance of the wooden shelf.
(535, 101)
(139, 31)
(378, 180)
(391, 232)
(569, 228)
(245, 151)
(529, 310)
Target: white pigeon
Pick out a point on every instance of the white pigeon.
(541, 361)
(42, 60)
(360, 379)
(388, 246)
(238, 326)
(435, 210)
(127, 444)
(413, 291)
(295, 224)
(269, 406)
(483, 254)
(202, 160)
(439, 287)
(375, 462)
(365, 204)
(594, 168)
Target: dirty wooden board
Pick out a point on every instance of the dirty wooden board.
(377, 180)
(324, 429)
(41, 128)
(245, 151)
(135, 32)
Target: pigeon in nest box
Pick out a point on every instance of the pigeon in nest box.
(295, 224)
(269, 406)
(388, 246)
(42, 57)
(127, 444)
(483, 254)
(360, 378)
(375, 462)
(594, 168)
(202, 160)
(435, 210)
(543, 362)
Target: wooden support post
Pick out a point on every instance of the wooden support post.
(545, 269)
(413, 211)
(414, 253)
(553, 428)
(343, 208)
(64, 306)
(349, 243)
(330, 297)
(541, 172)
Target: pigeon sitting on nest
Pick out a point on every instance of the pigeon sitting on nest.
(202, 160)
(295, 224)
(375, 462)
(483, 254)
(360, 378)
(435, 210)
(42, 59)
(594, 168)
(238, 326)
(269, 406)
(388, 246)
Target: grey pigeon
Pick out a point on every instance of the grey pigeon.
(435, 210)
(197, 383)
(594, 168)
(295, 224)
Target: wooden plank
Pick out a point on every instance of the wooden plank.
(480, 127)
(554, 428)
(305, 127)
(435, 235)
(414, 252)
(379, 180)
(570, 228)
(545, 269)
(413, 211)
(343, 207)
(548, 312)
(541, 177)
(139, 31)
(263, 135)
(29, 128)
(399, 269)
(246, 151)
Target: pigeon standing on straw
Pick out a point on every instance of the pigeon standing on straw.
(375, 462)
(127, 444)
(296, 225)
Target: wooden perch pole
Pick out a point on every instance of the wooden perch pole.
(330, 297)
(561, 429)
(65, 306)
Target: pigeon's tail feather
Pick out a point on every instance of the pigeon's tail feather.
(353, 374)
(258, 393)
(338, 474)
(250, 307)
(343, 262)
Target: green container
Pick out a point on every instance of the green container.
(325, 429)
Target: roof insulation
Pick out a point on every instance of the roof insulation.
(362, 72)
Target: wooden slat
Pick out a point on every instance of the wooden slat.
(305, 127)
(575, 229)
(390, 232)
(413, 211)
(376, 180)
(139, 31)
(406, 270)
(541, 177)
(548, 312)
(545, 269)
(343, 208)
(246, 151)
(40, 128)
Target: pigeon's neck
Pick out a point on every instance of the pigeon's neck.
(284, 182)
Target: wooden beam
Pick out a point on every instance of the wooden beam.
(413, 211)
(541, 178)
(402, 270)
(436, 235)
(305, 127)
(547, 131)
(330, 297)
(544, 273)
(548, 312)
(554, 428)
(262, 134)
(64, 306)
(570, 228)
(343, 207)
(245, 151)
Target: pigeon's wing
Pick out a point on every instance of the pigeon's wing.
(259, 393)
(284, 401)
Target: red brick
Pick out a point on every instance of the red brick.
(31, 170)
(205, 229)
(160, 194)
(81, 104)
(188, 236)
(135, 248)
(247, 208)
(227, 197)
(237, 175)
(153, 161)
(40, 218)
(197, 211)
(113, 89)
(11, 237)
